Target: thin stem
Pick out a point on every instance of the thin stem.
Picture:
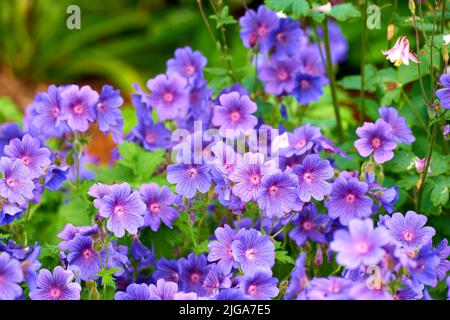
(443, 16)
(431, 55)
(423, 176)
(416, 113)
(205, 20)
(362, 65)
(282, 229)
(332, 82)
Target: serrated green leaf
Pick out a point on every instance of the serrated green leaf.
(402, 161)
(278, 5)
(344, 11)
(408, 182)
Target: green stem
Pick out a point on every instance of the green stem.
(363, 54)
(205, 20)
(284, 227)
(416, 113)
(332, 82)
(427, 164)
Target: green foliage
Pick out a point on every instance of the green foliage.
(282, 255)
(224, 18)
(9, 112)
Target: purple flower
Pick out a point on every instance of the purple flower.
(361, 291)
(278, 75)
(83, 255)
(134, 292)
(311, 62)
(426, 269)
(443, 251)
(55, 178)
(302, 139)
(31, 264)
(348, 200)
(141, 253)
(409, 230)
(30, 152)
(231, 294)
(163, 290)
(187, 63)
(10, 277)
(77, 107)
(8, 131)
(226, 158)
(299, 279)
(331, 288)
(15, 182)
(286, 37)
(278, 194)
(444, 93)
(108, 109)
(253, 250)
(399, 129)
(158, 201)
(308, 88)
(248, 175)
(169, 270)
(99, 191)
(361, 244)
(376, 138)
(152, 136)
(221, 249)
(189, 178)
(56, 286)
(312, 175)
(256, 28)
(216, 280)
(194, 270)
(169, 96)
(48, 112)
(309, 225)
(234, 114)
(259, 284)
(124, 208)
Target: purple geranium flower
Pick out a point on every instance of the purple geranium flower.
(48, 112)
(189, 178)
(443, 251)
(409, 230)
(187, 63)
(253, 250)
(278, 75)
(216, 280)
(425, 270)
(331, 288)
(302, 139)
(444, 93)
(10, 277)
(361, 244)
(311, 63)
(299, 279)
(278, 194)
(164, 290)
(309, 225)
(169, 96)
(99, 191)
(260, 285)
(348, 200)
(83, 255)
(169, 270)
(158, 201)
(256, 28)
(194, 270)
(231, 294)
(308, 88)
(152, 136)
(56, 286)
(124, 208)
(286, 37)
(108, 109)
(221, 249)
(77, 106)
(376, 138)
(15, 182)
(399, 129)
(248, 175)
(313, 174)
(29, 150)
(134, 292)
(234, 114)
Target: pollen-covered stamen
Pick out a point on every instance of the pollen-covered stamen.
(55, 293)
(307, 225)
(308, 177)
(408, 235)
(350, 198)
(119, 211)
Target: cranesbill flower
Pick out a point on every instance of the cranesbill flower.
(77, 106)
(375, 138)
(409, 230)
(83, 255)
(361, 244)
(253, 250)
(108, 108)
(164, 290)
(31, 264)
(400, 53)
(311, 63)
(10, 277)
(312, 175)
(278, 75)
(194, 270)
(309, 225)
(302, 140)
(158, 201)
(278, 194)
(256, 28)
(189, 178)
(29, 150)
(331, 288)
(425, 271)
(286, 38)
(308, 88)
(99, 191)
(134, 292)
(56, 286)
(259, 285)
(399, 129)
(225, 158)
(187, 63)
(443, 251)
(152, 136)
(48, 112)
(169, 270)
(221, 249)
(231, 294)
(248, 175)
(55, 177)
(8, 131)
(348, 200)
(169, 96)
(67, 234)
(234, 114)
(124, 210)
(215, 280)
(145, 257)
(444, 93)
(15, 182)
(361, 291)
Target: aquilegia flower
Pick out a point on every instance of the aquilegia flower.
(56, 286)
(302, 139)
(361, 244)
(189, 178)
(409, 230)
(399, 129)
(221, 249)
(124, 210)
(30, 152)
(108, 109)
(187, 63)
(234, 114)
(308, 88)
(256, 28)
(77, 106)
(253, 250)
(312, 175)
(158, 201)
(278, 75)
(349, 200)
(83, 255)
(375, 138)
(169, 96)
(15, 181)
(260, 285)
(10, 277)
(444, 93)
(134, 292)
(400, 53)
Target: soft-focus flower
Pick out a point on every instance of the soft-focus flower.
(215, 280)
(15, 181)
(286, 37)
(151, 136)
(400, 53)
(443, 251)
(221, 249)
(108, 109)
(302, 140)
(331, 288)
(164, 290)
(189, 178)
(256, 28)
(187, 63)
(308, 88)
(134, 292)
(420, 165)
(425, 270)
(77, 107)
(194, 270)
(48, 112)
(10, 277)
(56, 286)
(399, 129)
(278, 75)
(83, 255)
(444, 93)
(169, 270)
(259, 284)
(309, 225)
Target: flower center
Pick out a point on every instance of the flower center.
(408, 235)
(235, 116)
(54, 111)
(154, 207)
(150, 138)
(350, 198)
(333, 288)
(26, 160)
(273, 190)
(11, 182)
(192, 172)
(55, 293)
(376, 142)
(410, 253)
(189, 69)
(168, 97)
(195, 277)
(262, 31)
(78, 109)
(304, 84)
(255, 179)
(308, 177)
(1, 280)
(300, 144)
(282, 75)
(252, 289)
(362, 247)
(101, 106)
(307, 225)
(250, 253)
(119, 211)
(229, 251)
(281, 37)
(87, 254)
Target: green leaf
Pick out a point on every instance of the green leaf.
(202, 247)
(300, 8)
(278, 5)
(402, 161)
(439, 194)
(9, 111)
(294, 8)
(282, 255)
(223, 18)
(408, 182)
(343, 12)
(107, 277)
